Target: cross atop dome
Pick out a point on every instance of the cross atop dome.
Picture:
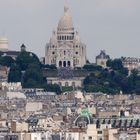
(65, 23)
(66, 8)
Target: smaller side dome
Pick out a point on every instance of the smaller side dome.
(77, 37)
(53, 39)
(3, 44)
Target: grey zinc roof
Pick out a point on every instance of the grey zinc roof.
(102, 55)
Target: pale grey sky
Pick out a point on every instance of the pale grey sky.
(112, 25)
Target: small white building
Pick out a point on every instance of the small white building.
(131, 63)
(11, 86)
(15, 94)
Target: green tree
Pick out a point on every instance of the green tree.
(52, 88)
(6, 61)
(24, 59)
(33, 77)
(14, 74)
(91, 67)
(115, 64)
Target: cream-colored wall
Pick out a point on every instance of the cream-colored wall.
(138, 136)
(33, 106)
(111, 133)
(78, 81)
(108, 114)
(101, 62)
(91, 132)
(92, 110)
(19, 127)
(74, 135)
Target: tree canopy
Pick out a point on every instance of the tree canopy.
(113, 79)
(14, 74)
(24, 59)
(6, 61)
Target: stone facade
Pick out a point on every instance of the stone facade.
(65, 48)
(131, 63)
(75, 82)
(102, 58)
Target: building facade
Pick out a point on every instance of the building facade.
(65, 48)
(102, 59)
(131, 63)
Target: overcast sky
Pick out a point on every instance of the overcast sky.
(111, 25)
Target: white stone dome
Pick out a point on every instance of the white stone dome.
(65, 23)
(3, 40)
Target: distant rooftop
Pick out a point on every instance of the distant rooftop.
(103, 55)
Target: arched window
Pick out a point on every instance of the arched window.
(72, 37)
(69, 64)
(77, 61)
(62, 37)
(64, 52)
(73, 84)
(66, 84)
(60, 84)
(64, 64)
(60, 63)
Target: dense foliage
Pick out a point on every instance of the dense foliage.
(53, 88)
(14, 74)
(28, 70)
(113, 79)
(6, 61)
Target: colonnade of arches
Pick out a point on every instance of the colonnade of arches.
(67, 84)
(65, 37)
(64, 64)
